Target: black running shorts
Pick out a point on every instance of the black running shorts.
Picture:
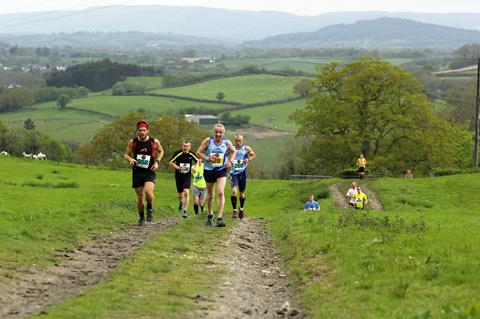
(212, 176)
(140, 177)
(183, 181)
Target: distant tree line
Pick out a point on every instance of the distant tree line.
(353, 53)
(98, 75)
(466, 55)
(16, 98)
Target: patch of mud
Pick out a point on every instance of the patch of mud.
(255, 285)
(338, 197)
(74, 271)
(373, 201)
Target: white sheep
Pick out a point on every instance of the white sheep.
(41, 156)
(4, 153)
(35, 157)
(30, 156)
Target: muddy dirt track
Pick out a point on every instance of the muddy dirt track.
(254, 284)
(74, 271)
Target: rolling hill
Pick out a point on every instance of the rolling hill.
(231, 25)
(378, 33)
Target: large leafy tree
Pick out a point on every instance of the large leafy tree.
(372, 107)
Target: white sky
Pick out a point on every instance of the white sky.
(302, 7)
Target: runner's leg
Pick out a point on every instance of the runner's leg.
(221, 181)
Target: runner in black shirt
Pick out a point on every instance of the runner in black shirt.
(182, 162)
(144, 153)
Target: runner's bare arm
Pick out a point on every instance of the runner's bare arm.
(251, 153)
(159, 150)
(128, 153)
(201, 150)
(173, 165)
(231, 153)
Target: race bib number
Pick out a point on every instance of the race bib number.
(359, 202)
(217, 161)
(184, 168)
(238, 165)
(143, 161)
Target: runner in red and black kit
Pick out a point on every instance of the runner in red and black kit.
(144, 153)
(182, 161)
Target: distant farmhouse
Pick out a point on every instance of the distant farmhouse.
(201, 119)
(200, 60)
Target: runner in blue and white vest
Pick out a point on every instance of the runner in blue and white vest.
(238, 173)
(218, 153)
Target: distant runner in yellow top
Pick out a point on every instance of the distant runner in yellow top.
(199, 187)
(360, 199)
(361, 163)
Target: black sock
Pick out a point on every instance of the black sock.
(179, 205)
(242, 202)
(149, 206)
(234, 201)
(195, 208)
(202, 208)
(141, 215)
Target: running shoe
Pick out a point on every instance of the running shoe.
(141, 222)
(220, 223)
(241, 214)
(184, 214)
(210, 220)
(149, 215)
(234, 214)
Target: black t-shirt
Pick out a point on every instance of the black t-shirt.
(143, 153)
(185, 161)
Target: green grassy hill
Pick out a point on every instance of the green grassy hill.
(416, 259)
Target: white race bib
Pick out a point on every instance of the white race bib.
(238, 165)
(217, 161)
(143, 161)
(184, 168)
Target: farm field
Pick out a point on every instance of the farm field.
(243, 89)
(122, 105)
(150, 82)
(273, 116)
(67, 125)
(417, 258)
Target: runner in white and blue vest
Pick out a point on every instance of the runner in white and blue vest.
(238, 174)
(218, 153)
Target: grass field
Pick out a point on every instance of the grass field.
(273, 116)
(243, 89)
(150, 82)
(418, 258)
(66, 126)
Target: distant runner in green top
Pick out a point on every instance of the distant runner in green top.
(199, 187)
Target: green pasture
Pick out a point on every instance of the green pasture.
(67, 125)
(273, 116)
(150, 82)
(243, 89)
(121, 105)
